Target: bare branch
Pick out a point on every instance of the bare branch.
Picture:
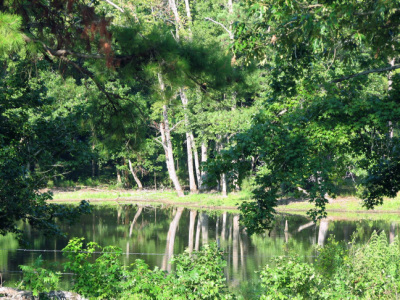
(231, 36)
(391, 68)
(176, 125)
(113, 4)
(162, 144)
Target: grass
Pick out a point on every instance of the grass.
(170, 197)
(351, 204)
(214, 199)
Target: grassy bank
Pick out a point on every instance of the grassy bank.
(214, 199)
(166, 197)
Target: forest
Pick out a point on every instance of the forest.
(287, 99)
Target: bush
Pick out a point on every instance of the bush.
(37, 279)
(370, 271)
(290, 278)
(199, 275)
(100, 279)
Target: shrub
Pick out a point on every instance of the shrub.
(200, 275)
(100, 279)
(37, 279)
(290, 278)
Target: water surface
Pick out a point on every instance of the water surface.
(154, 234)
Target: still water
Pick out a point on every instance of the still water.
(154, 234)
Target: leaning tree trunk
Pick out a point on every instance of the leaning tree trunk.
(169, 156)
(169, 248)
(137, 215)
(192, 182)
(167, 145)
(196, 162)
(192, 222)
(137, 180)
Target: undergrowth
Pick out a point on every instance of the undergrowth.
(341, 271)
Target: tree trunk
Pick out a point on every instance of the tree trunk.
(196, 162)
(235, 244)
(223, 186)
(197, 243)
(390, 82)
(392, 233)
(167, 144)
(204, 228)
(223, 232)
(169, 248)
(119, 180)
(189, 17)
(169, 156)
(322, 232)
(192, 182)
(172, 5)
(203, 160)
(137, 180)
(137, 215)
(286, 231)
(193, 214)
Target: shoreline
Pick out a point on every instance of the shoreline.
(213, 200)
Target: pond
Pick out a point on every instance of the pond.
(154, 234)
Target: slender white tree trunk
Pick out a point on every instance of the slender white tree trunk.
(169, 156)
(204, 228)
(137, 180)
(189, 17)
(193, 214)
(137, 215)
(196, 162)
(167, 144)
(392, 232)
(235, 244)
(192, 181)
(204, 158)
(169, 248)
(322, 232)
(119, 180)
(197, 243)
(174, 9)
(223, 232)
(223, 180)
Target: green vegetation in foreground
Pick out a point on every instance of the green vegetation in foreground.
(361, 271)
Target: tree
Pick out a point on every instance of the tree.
(38, 137)
(329, 108)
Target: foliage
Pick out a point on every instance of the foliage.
(370, 271)
(38, 279)
(198, 275)
(329, 104)
(290, 278)
(100, 279)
